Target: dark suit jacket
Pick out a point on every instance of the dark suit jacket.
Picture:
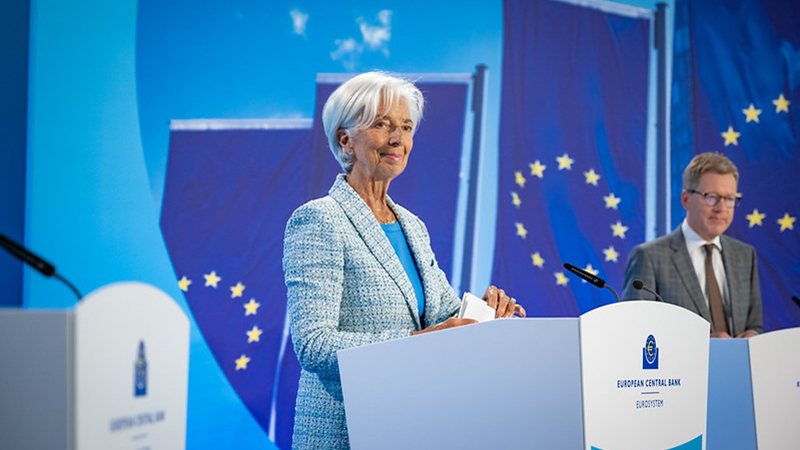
(664, 265)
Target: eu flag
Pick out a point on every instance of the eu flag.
(230, 188)
(737, 89)
(573, 127)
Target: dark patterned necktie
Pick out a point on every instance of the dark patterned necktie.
(718, 317)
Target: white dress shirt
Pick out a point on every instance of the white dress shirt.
(694, 244)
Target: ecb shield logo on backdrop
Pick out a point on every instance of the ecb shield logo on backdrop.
(140, 373)
(650, 353)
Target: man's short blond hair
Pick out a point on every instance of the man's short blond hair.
(708, 162)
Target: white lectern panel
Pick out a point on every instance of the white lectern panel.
(775, 369)
(131, 369)
(645, 377)
(505, 384)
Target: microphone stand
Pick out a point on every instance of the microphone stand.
(612, 290)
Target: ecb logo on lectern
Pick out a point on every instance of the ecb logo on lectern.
(140, 373)
(650, 354)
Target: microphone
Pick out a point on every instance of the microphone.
(28, 257)
(639, 286)
(590, 277)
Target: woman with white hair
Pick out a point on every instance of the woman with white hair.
(359, 268)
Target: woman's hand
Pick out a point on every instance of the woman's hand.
(449, 323)
(503, 305)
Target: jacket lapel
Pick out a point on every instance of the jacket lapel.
(423, 257)
(375, 239)
(736, 276)
(685, 269)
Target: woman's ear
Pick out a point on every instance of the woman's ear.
(343, 137)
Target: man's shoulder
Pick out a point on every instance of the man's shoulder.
(735, 245)
(661, 244)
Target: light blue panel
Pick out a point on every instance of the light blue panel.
(507, 384)
(731, 417)
(89, 206)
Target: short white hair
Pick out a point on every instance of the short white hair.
(358, 102)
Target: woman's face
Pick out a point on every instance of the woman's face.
(380, 151)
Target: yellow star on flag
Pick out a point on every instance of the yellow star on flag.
(612, 201)
(755, 218)
(537, 169)
(236, 291)
(521, 231)
(591, 177)
(561, 279)
(787, 222)
(731, 137)
(251, 307)
(519, 179)
(781, 104)
(212, 279)
(184, 284)
(751, 114)
(565, 162)
(611, 254)
(254, 335)
(619, 229)
(241, 362)
(515, 199)
(537, 260)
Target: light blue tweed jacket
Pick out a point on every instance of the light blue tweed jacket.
(347, 288)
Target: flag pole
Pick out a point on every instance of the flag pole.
(662, 125)
(478, 101)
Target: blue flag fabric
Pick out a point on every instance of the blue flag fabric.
(228, 196)
(738, 73)
(572, 150)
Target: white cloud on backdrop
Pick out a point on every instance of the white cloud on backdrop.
(299, 20)
(377, 37)
(374, 37)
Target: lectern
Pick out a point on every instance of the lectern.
(754, 392)
(109, 374)
(632, 375)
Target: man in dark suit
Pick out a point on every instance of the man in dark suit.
(697, 266)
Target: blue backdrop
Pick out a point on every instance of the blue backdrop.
(572, 151)
(752, 119)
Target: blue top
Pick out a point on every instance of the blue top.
(398, 240)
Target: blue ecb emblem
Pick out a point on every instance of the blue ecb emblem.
(140, 373)
(650, 353)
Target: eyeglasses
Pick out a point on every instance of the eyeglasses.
(714, 199)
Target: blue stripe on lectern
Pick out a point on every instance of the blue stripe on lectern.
(694, 444)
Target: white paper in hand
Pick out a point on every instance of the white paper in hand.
(473, 307)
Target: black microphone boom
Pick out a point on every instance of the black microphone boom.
(640, 286)
(28, 257)
(590, 277)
